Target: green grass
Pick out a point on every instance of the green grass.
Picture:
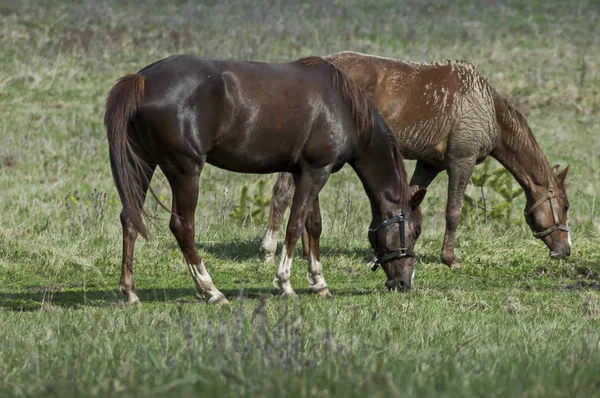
(509, 323)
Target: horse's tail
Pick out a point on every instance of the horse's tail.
(128, 169)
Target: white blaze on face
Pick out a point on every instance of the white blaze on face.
(568, 236)
(412, 278)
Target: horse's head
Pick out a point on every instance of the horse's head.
(546, 214)
(393, 241)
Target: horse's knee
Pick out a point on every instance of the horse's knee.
(294, 231)
(182, 230)
(128, 227)
(314, 226)
(453, 219)
(176, 226)
(283, 190)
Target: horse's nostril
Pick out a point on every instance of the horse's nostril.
(404, 285)
(397, 285)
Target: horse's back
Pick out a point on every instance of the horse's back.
(428, 106)
(282, 111)
(231, 111)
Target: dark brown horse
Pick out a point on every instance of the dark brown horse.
(447, 117)
(305, 118)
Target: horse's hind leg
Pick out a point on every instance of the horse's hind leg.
(185, 200)
(315, 269)
(308, 186)
(283, 192)
(126, 283)
(305, 244)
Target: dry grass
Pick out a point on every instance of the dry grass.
(510, 323)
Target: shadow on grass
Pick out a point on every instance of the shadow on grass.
(37, 300)
(241, 250)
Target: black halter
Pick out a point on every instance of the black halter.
(557, 225)
(402, 252)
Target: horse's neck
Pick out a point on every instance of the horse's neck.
(382, 177)
(519, 152)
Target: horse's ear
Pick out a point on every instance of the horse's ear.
(563, 174)
(555, 169)
(417, 198)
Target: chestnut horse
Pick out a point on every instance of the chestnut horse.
(448, 117)
(305, 118)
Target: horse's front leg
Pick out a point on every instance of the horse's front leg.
(423, 175)
(459, 174)
(315, 269)
(308, 186)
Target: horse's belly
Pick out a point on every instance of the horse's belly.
(255, 162)
(424, 141)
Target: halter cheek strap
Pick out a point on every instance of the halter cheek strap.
(402, 251)
(549, 195)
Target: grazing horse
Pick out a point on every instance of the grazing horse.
(448, 117)
(305, 118)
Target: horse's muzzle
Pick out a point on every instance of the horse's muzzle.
(562, 251)
(401, 283)
(398, 285)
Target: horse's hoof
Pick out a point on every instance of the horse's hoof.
(288, 295)
(450, 260)
(133, 302)
(276, 283)
(321, 290)
(325, 293)
(218, 300)
(266, 257)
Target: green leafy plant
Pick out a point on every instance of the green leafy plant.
(497, 194)
(252, 209)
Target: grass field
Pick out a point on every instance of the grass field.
(508, 323)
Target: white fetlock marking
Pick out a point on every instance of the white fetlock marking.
(315, 274)
(282, 276)
(204, 283)
(269, 244)
(132, 299)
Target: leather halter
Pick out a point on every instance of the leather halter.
(400, 219)
(549, 195)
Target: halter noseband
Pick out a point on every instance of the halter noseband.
(403, 251)
(557, 226)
